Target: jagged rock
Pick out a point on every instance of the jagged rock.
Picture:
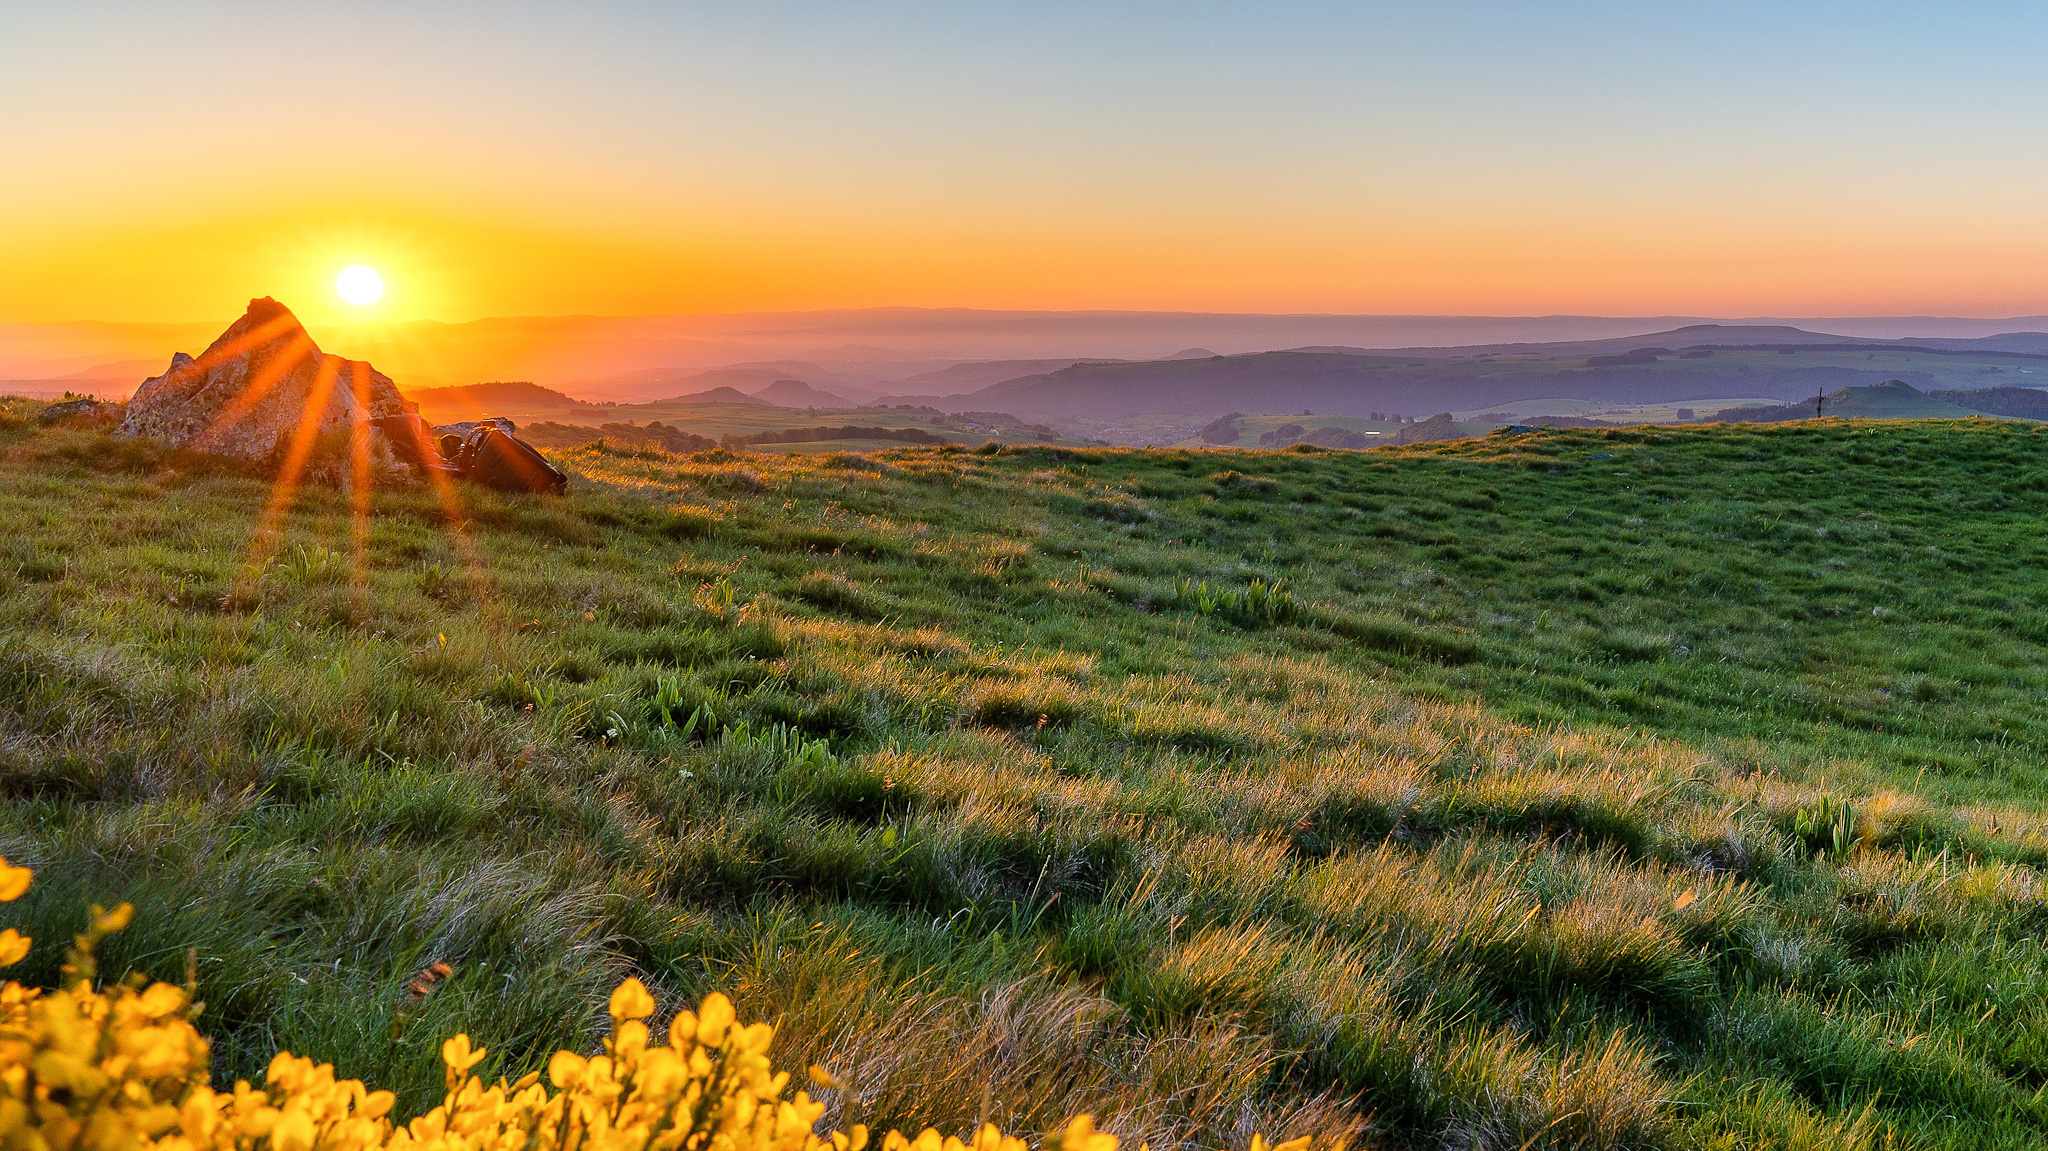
(255, 387)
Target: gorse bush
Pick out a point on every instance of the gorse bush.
(90, 1068)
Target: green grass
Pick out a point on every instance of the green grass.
(1660, 788)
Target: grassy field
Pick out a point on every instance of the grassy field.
(1251, 427)
(1649, 788)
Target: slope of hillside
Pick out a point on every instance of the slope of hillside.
(961, 379)
(797, 394)
(2026, 403)
(475, 401)
(1652, 788)
(1891, 400)
(718, 395)
(654, 386)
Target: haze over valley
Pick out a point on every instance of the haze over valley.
(1120, 389)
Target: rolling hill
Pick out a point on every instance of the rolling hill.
(1891, 400)
(748, 378)
(788, 393)
(475, 401)
(2026, 403)
(1694, 363)
(718, 395)
(964, 378)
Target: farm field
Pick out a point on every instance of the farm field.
(1249, 428)
(1651, 787)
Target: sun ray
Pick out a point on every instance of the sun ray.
(228, 349)
(259, 386)
(285, 487)
(261, 334)
(360, 483)
(458, 528)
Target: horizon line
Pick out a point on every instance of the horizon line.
(1090, 312)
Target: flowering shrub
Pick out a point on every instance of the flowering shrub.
(87, 1068)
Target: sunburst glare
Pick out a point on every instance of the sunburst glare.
(359, 284)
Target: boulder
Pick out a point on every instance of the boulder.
(413, 443)
(256, 387)
(85, 410)
(495, 458)
(265, 392)
(1436, 427)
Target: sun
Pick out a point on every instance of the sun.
(360, 285)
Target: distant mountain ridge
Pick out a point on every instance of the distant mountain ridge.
(964, 378)
(1693, 362)
(963, 360)
(575, 352)
(1712, 335)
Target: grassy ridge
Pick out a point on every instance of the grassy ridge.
(1684, 797)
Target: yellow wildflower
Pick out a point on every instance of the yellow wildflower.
(459, 1057)
(13, 881)
(123, 1069)
(631, 1001)
(106, 922)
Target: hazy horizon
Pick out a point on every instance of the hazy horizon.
(618, 356)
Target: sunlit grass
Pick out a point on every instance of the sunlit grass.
(1697, 806)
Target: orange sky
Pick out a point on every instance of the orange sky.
(1295, 158)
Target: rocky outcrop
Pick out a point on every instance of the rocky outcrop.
(257, 387)
(264, 392)
(1436, 427)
